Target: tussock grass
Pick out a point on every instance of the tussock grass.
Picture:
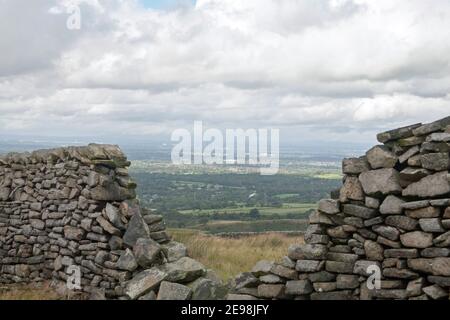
(230, 256)
(32, 291)
(36, 291)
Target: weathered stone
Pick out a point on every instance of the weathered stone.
(174, 251)
(396, 134)
(440, 202)
(339, 267)
(299, 287)
(381, 181)
(73, 233)
(271, 291)
(127, 261)
(112, 192)
(390, 294)
(307, 252)
(240, 297)
(333, 296)
(373, 250)
(439, 137)
(152, 218)
(346, 281)
(287, 262)
(373, 221)
(329, 206)
(399, 273)
(438, 147)
(401, 253)
(430, 186)
(147, 252)
(319, 218)
(342, 257)
(409, 175)
(435, 292)
(322, 276)
(415, 287)
(409, 142)
(428, 212)
(351, 190)
(354, 222)
(315, 229)
(432, 127)
(173, 291)
(325, 286)
(114, 216)
(284, 272)
(416, 204)
(417, 239)
(160, 236)
(245, 280)
(431, 225)
(340, 248)
(388, 232)
(115, 243)
(151, 296)
(446, 213)
(392, 205)
(262, 268)
(309, 265)
(435, 252)
(359, 211)
(408, 154)
(184, 270)
(364, 267)
(436, 266)
(446, 224)
(208, 289)
(388, 243)
(440, 281)
(270, 279)
(37, 224)
(381, 157)
(372, 203)
(338, 232)
(4, 193)
(144, 282)
(435, 161)
(355, 165)
(316, 238)
(402, 222)
(137, 228)
(414, 161)
(108, 227)
(421, 298)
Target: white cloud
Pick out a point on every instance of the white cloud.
(327, 65)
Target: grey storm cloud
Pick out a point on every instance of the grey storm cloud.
(337, 66)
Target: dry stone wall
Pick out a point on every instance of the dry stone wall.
(391, 215)
(76, 207)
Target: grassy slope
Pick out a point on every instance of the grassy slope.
(35, 291)
(231, 256)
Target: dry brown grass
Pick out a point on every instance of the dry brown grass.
(230, 256)
(34, 291)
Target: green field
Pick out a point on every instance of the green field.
(286, 208)
(214, 227)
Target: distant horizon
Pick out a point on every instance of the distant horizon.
(319, 71)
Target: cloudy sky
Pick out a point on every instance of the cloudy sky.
(316, 69)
